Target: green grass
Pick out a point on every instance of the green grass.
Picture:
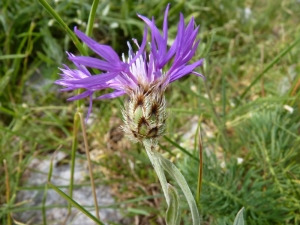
(237, 121)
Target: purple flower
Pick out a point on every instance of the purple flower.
(140, 72)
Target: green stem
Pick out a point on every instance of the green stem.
(46, 191)
(52, 12)
(149, 146)
(7, 186)
(89, 165)
(91, 20)
(73, 156)
(200, 172)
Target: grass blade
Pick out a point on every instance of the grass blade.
(173, 211)
(275, 60)
(181, 148)
(91, 20)
(74, 203)
(52, 12)
(200, 172)
(87, 152)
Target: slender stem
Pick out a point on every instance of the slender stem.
(200, 172)
(19, 169)
(91, 20)
(90, 165)
(73, 156)
(223, 100)
(46, 191)
(149, 146)
(44, 205)
(9, 222)
(25, 62)
(52, 12)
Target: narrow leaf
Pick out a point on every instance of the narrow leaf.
(5, 80)
(74, 203)
(172, 214)
(14, 56)
(181, 148)
(239, 219)
(52, 12)
(158, 169)
(176, 174)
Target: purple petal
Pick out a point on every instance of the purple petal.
(96, 63)
(190, 54)
(67, 89)
(104, 51)
(199, 75)
(80, 96)
(190, 27)
(153, 28)
(190, 41)
(158, 45)
(169, 55)
(83, 69)
(185, 70)
(93, 80)
(150, 66)
(180, 32)
(165, 26)
(90, 108)
(142, 47)
(112, 95)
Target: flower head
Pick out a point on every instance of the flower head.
(143, 77)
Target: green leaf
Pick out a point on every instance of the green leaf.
(239, 219)
(13, 56)
(181, 148)
(172, 214)
(158, 169)
(138, 211)
(74, 203)
(5, 80)
(52, 12)
(176, 174)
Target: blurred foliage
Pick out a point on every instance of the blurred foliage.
(239, 39)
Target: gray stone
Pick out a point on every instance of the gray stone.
(36, 178)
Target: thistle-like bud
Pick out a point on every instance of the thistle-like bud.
(145, 114)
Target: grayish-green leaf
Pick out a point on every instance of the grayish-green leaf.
(239, 219)
(158, 169)
(173, 211)
(176, 174)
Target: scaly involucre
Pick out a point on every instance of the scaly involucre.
(141, 76)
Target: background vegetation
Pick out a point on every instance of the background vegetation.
(248, 107)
